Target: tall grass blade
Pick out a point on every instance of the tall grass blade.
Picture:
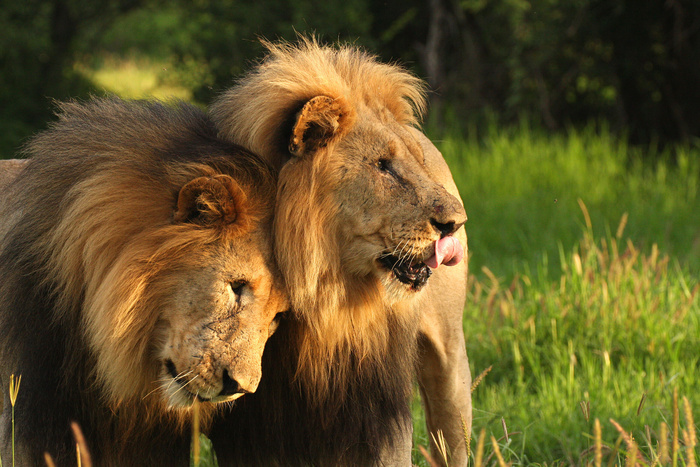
(441, 445)
(586, 216)
(14, 390)
(497, 452)
(632, 447)
(431, 462)
(479, 459)
(84, 457)
(689, 434)
(479, 378)
(597, 433)
(675, 444)
(467, 436)
(195, 433)
(663, 444)
(641, 403)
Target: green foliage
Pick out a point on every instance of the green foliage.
(208, 43)
(556, 61)
(207, 456)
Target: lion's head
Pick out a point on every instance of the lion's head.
(359, 217)
(140, 254)
(207, 282)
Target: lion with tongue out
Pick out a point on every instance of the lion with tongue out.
(367, 219)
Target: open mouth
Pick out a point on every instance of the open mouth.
(413, 274)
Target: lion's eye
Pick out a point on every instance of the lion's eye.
(237, 289)
(384, 165)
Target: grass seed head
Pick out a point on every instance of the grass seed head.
(14, 388)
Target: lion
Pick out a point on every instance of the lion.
(366, 213)
(136, 279)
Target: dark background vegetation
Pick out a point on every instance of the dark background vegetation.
(633, 63)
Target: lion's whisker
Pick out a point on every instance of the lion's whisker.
(182, 386)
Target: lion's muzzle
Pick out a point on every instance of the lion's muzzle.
(230, 388)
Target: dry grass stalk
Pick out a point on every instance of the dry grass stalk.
(14, 390)
(428, 457)
(441, 445)
(641, 403)
(497, 452)
(598, 443)
(632, 448)
(689, 434)
(663, 444)
(505, 429)
(586, 409)
(479, 378)
(49, 460)
(478, 460)
(467, 435)
(621, 226)
(195, 433)
(675, 444)
(84, 458)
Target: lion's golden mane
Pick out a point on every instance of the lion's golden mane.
(87, 263)
(255, 113)
(338, 373)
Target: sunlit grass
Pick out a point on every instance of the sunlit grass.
(134, 78)
(520, 187)
(612, 341)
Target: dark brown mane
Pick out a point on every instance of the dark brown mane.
(283, 424)
(124, 161)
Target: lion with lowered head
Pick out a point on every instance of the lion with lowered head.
(136, 276)
(367, 215)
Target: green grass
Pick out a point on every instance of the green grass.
(612, 338)
(618, 326)
(581, 315)
(521, 185)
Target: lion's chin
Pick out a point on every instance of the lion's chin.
(412, 274)
(178, 397)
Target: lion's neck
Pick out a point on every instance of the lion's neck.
(349, 337)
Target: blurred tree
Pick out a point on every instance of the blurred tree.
(636, 64)
(36, 51)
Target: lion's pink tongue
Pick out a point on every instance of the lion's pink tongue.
(448, 251)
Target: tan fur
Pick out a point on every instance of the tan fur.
(151, 257)
(357, 182)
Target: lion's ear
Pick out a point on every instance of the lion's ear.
(320, 121)
(210, 201)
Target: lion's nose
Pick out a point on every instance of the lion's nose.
(446, 214)
(447, 224)
(444, 229)
(231, 386)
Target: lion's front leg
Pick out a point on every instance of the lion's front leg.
(399, 453)
(443, 372)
